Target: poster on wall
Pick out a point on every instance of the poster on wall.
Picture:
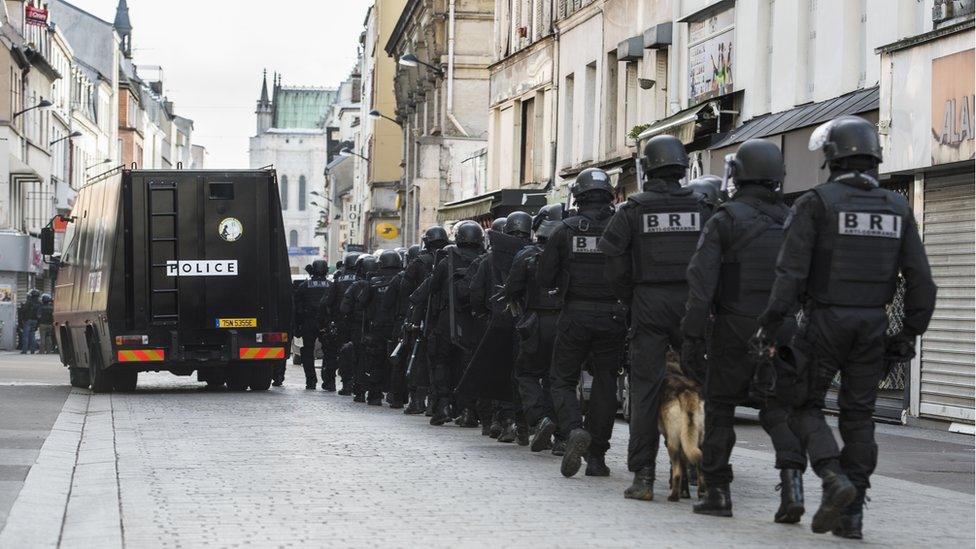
(953, 111)
(710, 56)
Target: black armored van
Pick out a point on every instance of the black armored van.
(177, 271)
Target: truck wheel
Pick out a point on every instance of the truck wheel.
(126, 381)
(236, 378)
(101, 379)
(79, 377)
(260, 377)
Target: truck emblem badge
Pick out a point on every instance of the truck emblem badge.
(230, 229)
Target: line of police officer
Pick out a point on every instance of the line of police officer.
(765, 303)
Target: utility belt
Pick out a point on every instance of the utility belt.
(590, 306)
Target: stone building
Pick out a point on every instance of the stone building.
(291, 136)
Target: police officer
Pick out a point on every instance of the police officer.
(435, 238)
(343, 330)
(307, 297)
(29, 310)
(489, 280)
(732, 274)
(711, 187)
(398, 300)
(45, 323)
(589, 329)
(846, 242)
(452, 338)
(537, 311)
(379, 325)
(352, 309)
(650, 241)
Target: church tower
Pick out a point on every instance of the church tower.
(263, 111)
(124, 28)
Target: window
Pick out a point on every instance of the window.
(293, 239)
(610, 137)
(589, 117)
(631, 101)
(568, 92)
(527, 152)
(301, 193)
(284, 192)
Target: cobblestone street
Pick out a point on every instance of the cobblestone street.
(174, 466)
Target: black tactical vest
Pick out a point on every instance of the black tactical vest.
(379, 315)
(856, 256)
(666, 234)
(587, 280)
(537, 297)
(749, 262)
(312, 292)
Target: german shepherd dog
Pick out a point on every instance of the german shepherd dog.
(682, 421)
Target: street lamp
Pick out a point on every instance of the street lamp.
(350, 152)
(375, 114)
(42, 104)
(71, 135)
(106, 161)
(410, 60)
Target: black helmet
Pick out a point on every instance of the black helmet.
(469, 233)
(757, 160)
(351, 260)
(435, 237)
(499, 224)
(319, 267)
(549, 212)
(711, 187)
(413, 252)
(390, 259)
(366, 264)
(591, 179)
(33, 292)
(518, 223)
(663, 151)
(845, 137)
(46, 298)
(339, 265)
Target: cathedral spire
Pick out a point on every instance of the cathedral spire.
(264, 87)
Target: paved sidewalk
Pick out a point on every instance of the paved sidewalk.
(174, 466)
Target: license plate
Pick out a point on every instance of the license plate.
(236, 323)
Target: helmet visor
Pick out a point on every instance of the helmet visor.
(820, 136)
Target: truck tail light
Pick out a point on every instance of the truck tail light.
(131, 340)
(271, 337)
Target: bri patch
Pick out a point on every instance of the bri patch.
(586, 244)
(869, 224)
(672, 222)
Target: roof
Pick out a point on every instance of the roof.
(92, 39)
(400, 27)
(302, 108)
(805, 115)
(122, 17)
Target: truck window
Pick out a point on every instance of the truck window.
(70, 242)
(221, 191)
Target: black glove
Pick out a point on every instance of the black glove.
(762, 344)
(693, 363)
(899, 348)
(770, 322)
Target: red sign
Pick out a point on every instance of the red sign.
(36, 16)
(59, 224)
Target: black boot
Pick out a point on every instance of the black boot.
(442, 413)
(838, 493)
(468, 419)
(559, 447)
(849, 525)
(509, 432)
(521, 433)
(416, 406)
(542, 439)
(495, 428)
(375, 398)
(596, 466)
(346, 389)
(643, 486)
(577, 446)
(431, 404)
(717, 501)
(360, 397)
(328, 383)
(791, 497)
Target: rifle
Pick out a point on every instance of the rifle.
(413, 353)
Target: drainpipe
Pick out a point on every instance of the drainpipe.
(450, 69)
(554, 123)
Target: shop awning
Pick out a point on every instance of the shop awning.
(495, 203)
(680, 125)
(803, 116)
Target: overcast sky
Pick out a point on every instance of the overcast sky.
(212, 53)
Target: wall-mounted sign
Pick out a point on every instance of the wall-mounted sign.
(303, 250)
(36, 16)
(710, 56)
(389, 231)
(953, 109)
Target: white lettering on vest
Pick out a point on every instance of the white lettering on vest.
(672, 222)
(869, 224)
(586, 244)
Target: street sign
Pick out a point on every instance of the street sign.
(303, 250)
(388, 231)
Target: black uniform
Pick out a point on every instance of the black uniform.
(732, 273)
(398, 301)
(588, 330)
(846, 242)
(416, 274)
(536, 332)
(307, 297)
(345, 349)
(650, 241)
(378, 320)
(352, 308)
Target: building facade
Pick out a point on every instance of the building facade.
(292, 137)
(342, 219)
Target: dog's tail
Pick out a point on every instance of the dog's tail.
(691, 428)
